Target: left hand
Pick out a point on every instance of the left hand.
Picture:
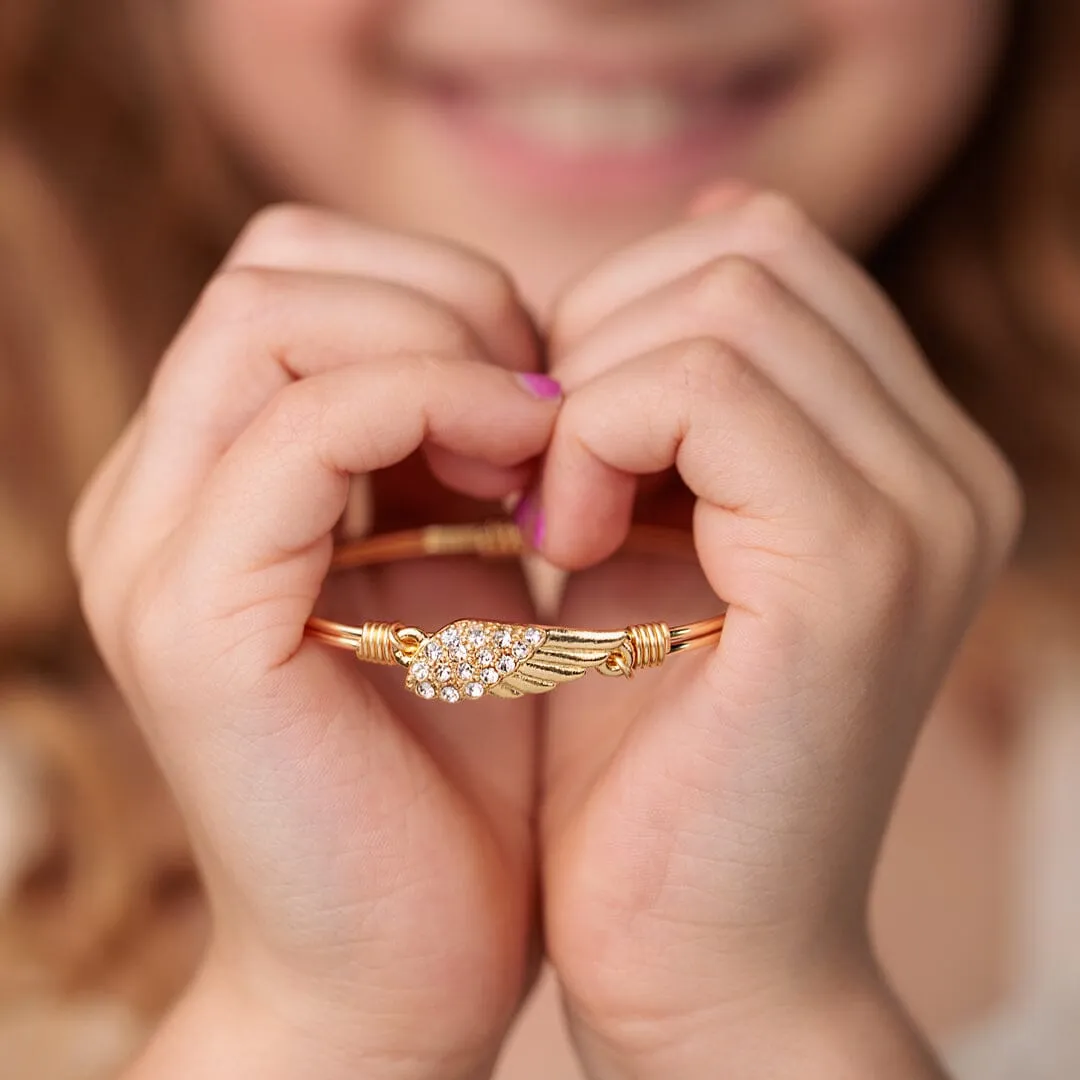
(710, 830)
(369, 868)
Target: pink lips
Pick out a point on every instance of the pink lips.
(581, 135)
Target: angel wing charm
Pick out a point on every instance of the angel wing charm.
(471, 659)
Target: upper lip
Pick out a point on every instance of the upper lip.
(523, 73)
(584, 65)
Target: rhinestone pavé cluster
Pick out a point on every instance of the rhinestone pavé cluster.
(469, 658)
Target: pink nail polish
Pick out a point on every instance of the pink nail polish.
(529, 518)
(540, 385)
(539, 526)
(524, 511)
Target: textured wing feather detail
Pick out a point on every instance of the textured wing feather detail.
(565, 655)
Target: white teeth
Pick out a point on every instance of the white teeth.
(576, 121)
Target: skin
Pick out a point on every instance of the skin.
(378, 871)
(857, 139)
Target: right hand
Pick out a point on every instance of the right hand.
(368, 857)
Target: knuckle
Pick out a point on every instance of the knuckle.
(78, 534)
(985, 510)
(97, 606)
(146, 633)
(456, 338)
(733, 286)
(772, 221)
(491, 293)
(577, 416)
(874, 558)
(297, 413)
(446, 335)
(1006, 504)
(435, 369)
(707, 368)
(233, 313)
(278, 228)
(102, 592)
(887, 544)
(960, 532)
(239, 294)
(568, 316)
(427, 371)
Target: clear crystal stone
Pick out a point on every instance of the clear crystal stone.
(433, 650)
(448, 693)
(426, 690)
(477, 636)
(444, 674)
(533, 636)
(490, 675)
(420, 671)
(474, 690)
(503, 638)
(520, 650)
(505, 664)
(486, 658)
(464, 673)
(459, 652)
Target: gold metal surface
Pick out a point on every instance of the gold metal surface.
(471, 658)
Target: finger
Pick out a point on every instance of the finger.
(260, 528)
(468, 286)
(718, 196)
(762, 226)
(771, 230)
(477, 479)
(478, 290)
(254, 332)
(738, 442)
(100, 493)
(781, 513)
(741, 303)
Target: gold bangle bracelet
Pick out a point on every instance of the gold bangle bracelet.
(476, 658)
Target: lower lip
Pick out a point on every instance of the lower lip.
(716, 141)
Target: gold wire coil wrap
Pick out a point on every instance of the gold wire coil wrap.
(549, 655)
(491, 540)
(379, 643)
(644, 645)
(649, 644)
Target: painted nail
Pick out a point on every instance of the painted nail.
(540, 385)
(529, 518)
(536, 535)
(524, 510)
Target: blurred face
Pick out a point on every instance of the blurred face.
(548, 132)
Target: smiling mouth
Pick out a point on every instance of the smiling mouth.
(568, 124)
(576, 116)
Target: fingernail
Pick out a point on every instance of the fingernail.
(536, 535)
(529, 518)
(540, 385)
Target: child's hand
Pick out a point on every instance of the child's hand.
(368, 858)
(710, 830)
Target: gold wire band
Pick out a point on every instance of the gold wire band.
(477, 658)
(379, 642)
(649, 644)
